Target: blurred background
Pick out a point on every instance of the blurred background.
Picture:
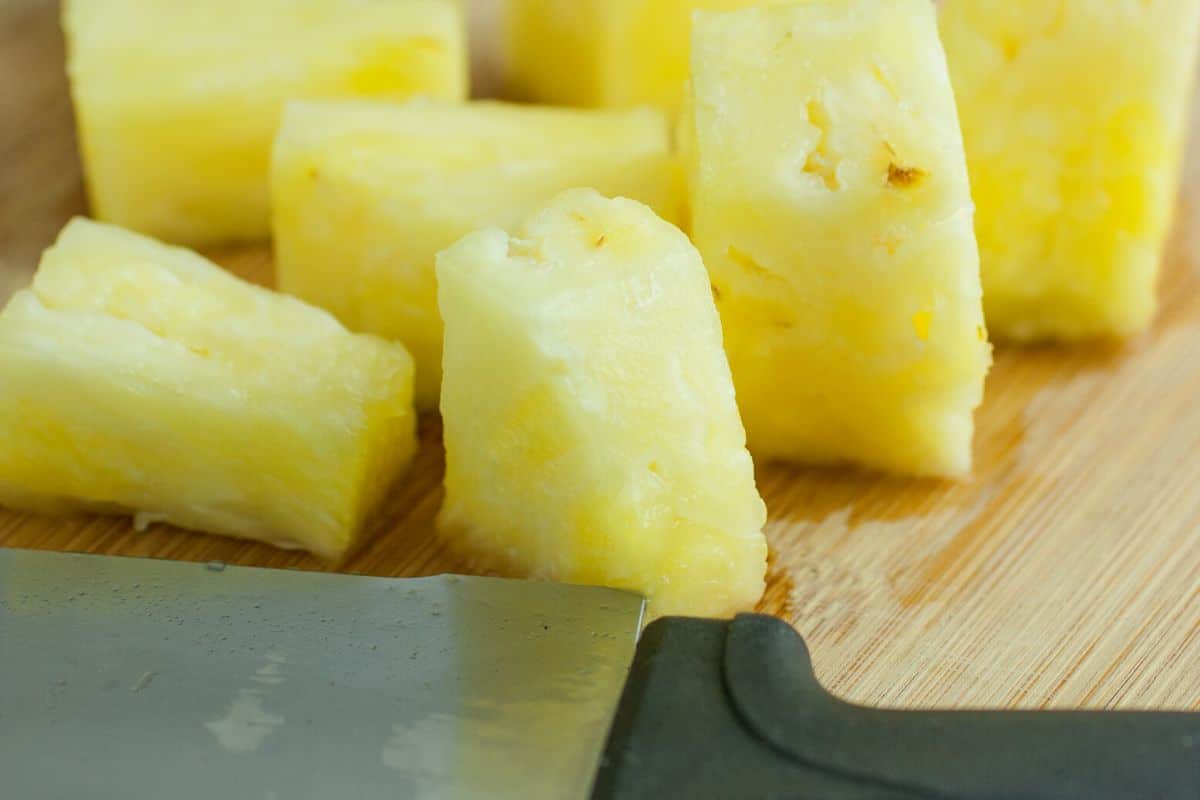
(37, 140)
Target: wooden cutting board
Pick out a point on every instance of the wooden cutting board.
(1065, 573)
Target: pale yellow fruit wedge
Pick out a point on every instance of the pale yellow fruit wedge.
(591, 430)
(177, 102)
(140, 378)
(831, 205)
(603, 53)
(1074, 114)
(366, 194)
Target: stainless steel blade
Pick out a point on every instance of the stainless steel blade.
(131, 678)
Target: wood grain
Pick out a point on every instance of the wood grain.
(1065, 573)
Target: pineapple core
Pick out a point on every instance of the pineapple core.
(143, 378)
(603, 53)
(591, 430)
(364, 196)
(830, 202)
(177, 101)
(1074, 114)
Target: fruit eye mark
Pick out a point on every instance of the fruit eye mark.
(899, 177)
(821, 161)
(750, 266)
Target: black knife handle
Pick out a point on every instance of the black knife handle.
(720, 709)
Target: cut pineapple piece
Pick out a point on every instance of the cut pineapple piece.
(177, 103)
(597, 53)
(366, 194)
(831, 205)
(591, 430)
(140, 377)
(1074, 114)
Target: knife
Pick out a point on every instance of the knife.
(134, 678)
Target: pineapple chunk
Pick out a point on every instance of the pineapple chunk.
(603, 53)
(831, 205)
(591, 430)
(1074, 114)
(177, 102)
(140, 377)
(366, 194)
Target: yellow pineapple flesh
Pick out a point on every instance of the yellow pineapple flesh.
(141, 378)
(603, 53)
(177, 103)
(831, 205)
(366, 194)
(1074, 114)
(591, 430)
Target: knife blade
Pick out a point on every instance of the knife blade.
(133, 678)
(129, 678)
